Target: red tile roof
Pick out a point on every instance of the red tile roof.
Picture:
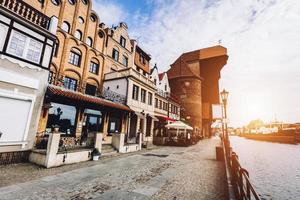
(58, 91)
(161, 76)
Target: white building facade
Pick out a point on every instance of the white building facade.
(134, 82)
(26, 48)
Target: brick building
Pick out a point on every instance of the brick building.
(74, 99)
(194, 77)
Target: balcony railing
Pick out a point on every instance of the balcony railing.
(129, 72)
(162, 93)
(113, 96)
(26, 11)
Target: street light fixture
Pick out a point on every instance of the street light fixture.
(224, 97)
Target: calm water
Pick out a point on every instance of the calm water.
(274, 168)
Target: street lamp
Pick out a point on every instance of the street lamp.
(224, 97)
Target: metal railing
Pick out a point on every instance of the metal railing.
(26, 11)
(240, 181)
(129, 72)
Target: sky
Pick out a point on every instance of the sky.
(262, 38)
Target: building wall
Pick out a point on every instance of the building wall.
(69, 13)
(160, 111)
(113, 42)
(142, 64)
(137, 105)
(118, 85)
(194, 79)
(189, 92)
(90, 28)
(26, 82)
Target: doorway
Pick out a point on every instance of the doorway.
(133, 124)
(92, 123)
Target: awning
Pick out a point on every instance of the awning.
(58, 91)
(165, 118)
(154, 118)
(179, 125)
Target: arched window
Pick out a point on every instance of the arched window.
(94, 66)
(55, 2)
(93, 18)
(78, 34)
(75, 57)
(80, 20)
(72, 2)
(101, 34)
(85, 2)
(89, 41)
(66, 27)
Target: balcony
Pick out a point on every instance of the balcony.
(129, 72)
(162, 93)
(26, 11)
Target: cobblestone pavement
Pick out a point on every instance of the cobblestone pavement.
(165, 173)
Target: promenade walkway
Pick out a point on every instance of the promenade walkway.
(164, 173)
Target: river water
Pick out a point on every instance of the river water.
(274, 168)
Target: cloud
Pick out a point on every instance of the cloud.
(109, 12)
(262, 38)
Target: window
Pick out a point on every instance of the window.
(93, 120)
(143, 95)
(70, 83)
(115, 54)
(165, 106)
(90, 89)
(142, 59)
(78, 34)
(101, 34)
(125, 61)
(25, 47)
(66, 27)
(123, 41)
(55, 2)
(34, 51)
(74, 58)
(72, 2)
(64, 116)
(150, 95)
(93, 18)
(160, 104)
(85, 2)
(56, 48)
(165, 87)
(135, 92)
(156, 103)
(115, 124)
(155, 81)
(94, 67)
(89, 41)
(80, 20)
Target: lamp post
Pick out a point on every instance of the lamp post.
(224, 97)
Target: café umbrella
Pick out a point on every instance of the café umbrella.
(179, 125)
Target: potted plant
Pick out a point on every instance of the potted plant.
(55, 128)
(95, 154)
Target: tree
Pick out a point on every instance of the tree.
(255, 124)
